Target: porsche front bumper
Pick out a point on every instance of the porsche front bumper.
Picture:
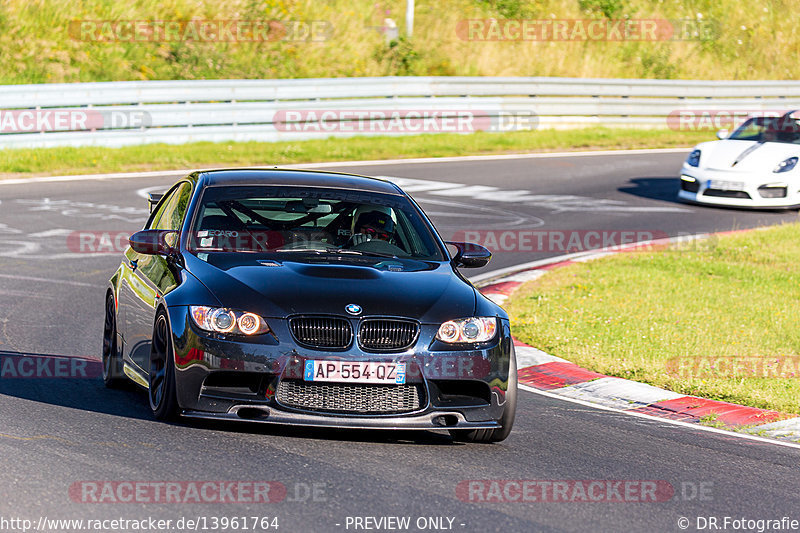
(738, 189)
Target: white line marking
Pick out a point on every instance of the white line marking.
(143, 193)
(4, 228)
(47, 280)
(19, 248)
(86, 177)
(528, 275)
(665, 420)
(411, 161)
(69, 208)
(486, 193)
(59, 232)
(530, 356)
(496, 157)
(782, 428)
(617, 392)
(515, 219)
(502, 272)
(497, 298)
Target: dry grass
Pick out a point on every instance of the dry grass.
(755, 40)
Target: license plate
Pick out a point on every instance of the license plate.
(726, 185)
(355, 372)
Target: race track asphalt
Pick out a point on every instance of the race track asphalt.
(56, 433)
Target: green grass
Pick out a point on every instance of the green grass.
(648, 316)
(749, 40)
(30, 162)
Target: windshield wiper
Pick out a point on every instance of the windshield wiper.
(362, 252)
(314, 250)
(340, 251)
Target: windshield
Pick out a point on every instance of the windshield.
(293, 220)
(769, 129)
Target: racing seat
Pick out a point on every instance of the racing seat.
(221, 222)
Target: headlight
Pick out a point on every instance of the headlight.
(222, 320)
(786, 165)
(694, 158)
(468, 330)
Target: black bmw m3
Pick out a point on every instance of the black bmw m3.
(307, 298)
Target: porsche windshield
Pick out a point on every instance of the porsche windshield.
(769, 129)
(294, 220)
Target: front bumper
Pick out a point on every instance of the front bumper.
(743, 190)
(238, 379)
(267, 415)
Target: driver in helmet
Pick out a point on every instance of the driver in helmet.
(372, 222)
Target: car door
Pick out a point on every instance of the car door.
(146, 277)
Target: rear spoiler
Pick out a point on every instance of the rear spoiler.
(153, 198)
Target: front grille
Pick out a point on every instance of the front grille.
(387, 334)
(726, 194)
(322, 332)
(347, 398)
(772, 192)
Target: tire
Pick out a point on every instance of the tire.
(506, 421)
(113, 377)
(162, 391)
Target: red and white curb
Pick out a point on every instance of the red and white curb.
(557, 377)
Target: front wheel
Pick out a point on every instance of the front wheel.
(162, 390)
(506, 421)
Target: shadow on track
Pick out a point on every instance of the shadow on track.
(67, 381)
(658, 188)
(666, 190)
(76, 382)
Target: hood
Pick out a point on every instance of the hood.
(426, 291)
(752, 156)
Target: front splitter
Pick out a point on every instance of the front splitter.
(269, 415)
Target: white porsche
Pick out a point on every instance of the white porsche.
(755, 166)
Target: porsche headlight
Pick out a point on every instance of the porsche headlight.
(786, 165)
(694, 158)
(468, 330)
(222, 320)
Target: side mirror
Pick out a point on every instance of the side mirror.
(152, 242)
(722, 134)
(471, 255)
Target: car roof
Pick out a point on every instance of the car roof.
(294, 178)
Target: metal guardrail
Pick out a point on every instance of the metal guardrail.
(256, 110)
